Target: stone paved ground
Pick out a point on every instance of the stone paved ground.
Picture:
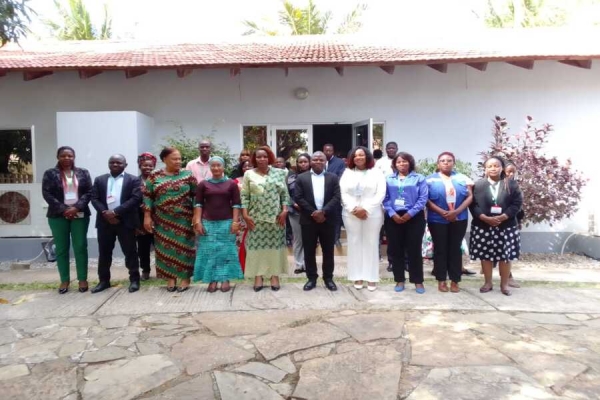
(540, 343)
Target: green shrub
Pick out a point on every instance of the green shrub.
(188, 147)
(427, 166)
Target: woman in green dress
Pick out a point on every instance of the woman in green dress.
(168, 211)
(264, 209)
(216, 221)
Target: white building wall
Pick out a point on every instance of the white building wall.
(424, 110)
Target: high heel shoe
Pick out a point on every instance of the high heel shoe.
(83, 289)
(65, 289)
(256, 287)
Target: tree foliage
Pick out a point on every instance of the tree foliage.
(15, 145)
(307, 20)
(428, 166)
(541, 13)
(76, 24)
(14, 17)
(551, 189)
(188, 147)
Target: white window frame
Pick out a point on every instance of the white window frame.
(33, 152)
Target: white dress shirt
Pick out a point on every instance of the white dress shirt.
(114, 187)
(318, 184)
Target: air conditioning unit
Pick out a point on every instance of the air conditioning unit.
(15, 207)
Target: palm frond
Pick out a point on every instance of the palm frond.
(351, 23)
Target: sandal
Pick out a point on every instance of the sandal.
(485, 289)
(212, 287)
(225, 286)
(454, 288)
(506, 292)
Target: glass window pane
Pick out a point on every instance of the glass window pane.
(255, 136)
(16, 163)
(378, 136)
(291, 143)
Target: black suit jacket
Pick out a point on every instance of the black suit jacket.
(336, 166)
(304, 197)
(131, 198)
(53, 192)
(510, 199)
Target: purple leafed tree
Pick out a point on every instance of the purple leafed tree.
(551, 189)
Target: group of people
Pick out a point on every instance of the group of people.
(214, 229)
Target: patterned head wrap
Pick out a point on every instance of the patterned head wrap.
(146, 156)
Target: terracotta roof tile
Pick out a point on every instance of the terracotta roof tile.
(490, 45)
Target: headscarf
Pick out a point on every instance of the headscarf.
(222, 162)
(145, 157)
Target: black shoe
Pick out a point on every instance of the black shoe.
(134, 286)
(100, 287)
(310, 285)
(82, 289)
(182, 289)
(300, 271)
(63, 290)
(275, 288)
(467, 272)
(145, 276)
(258, 288)
(171, 289)
(389, 267)
(330, 284)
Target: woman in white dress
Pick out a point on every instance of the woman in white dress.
(363, 189)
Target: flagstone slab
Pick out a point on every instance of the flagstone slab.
(8, 335)
(479, 382)
(199, 388)
(367, 327)
(437, 346)
(261, 370)
(285, 363)
(201, 353)
(50, 304)
(128, 379)
(237, 387)
(386, 299)
(105, 354)
(156, 300)
(584, 386)
(371, 372)
(252, 322)
(548, 300)
(289, 340)
(13, 371)
(293, 297)
(50, 380)
(550, 319)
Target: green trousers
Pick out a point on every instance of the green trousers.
(65, 231)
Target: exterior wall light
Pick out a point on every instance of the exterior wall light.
(301, 93)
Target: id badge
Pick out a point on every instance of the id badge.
(70, 196)
(451, 199)
(110, 199)
(399, 203)
(496, 210)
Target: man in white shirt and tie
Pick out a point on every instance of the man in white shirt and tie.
(317, 193)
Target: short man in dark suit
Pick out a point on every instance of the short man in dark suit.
(337, 166)
(117, 197)
(317, 193)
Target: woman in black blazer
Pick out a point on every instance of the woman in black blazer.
(494, 228)
(68, 191)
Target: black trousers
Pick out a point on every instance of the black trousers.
(406, 240)
(447, 257)
(325, 234)
(144, 245)
(107, 235)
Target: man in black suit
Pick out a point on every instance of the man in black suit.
(317, 193)
(337, 166)
(117, 197)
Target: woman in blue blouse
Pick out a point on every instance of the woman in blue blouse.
(405, 199)
(450, 194)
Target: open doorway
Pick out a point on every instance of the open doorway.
(339, 135)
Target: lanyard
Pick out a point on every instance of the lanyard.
(494, 190)
(69, 180)
(401, 184)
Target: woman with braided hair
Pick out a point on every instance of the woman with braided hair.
(145, 240)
